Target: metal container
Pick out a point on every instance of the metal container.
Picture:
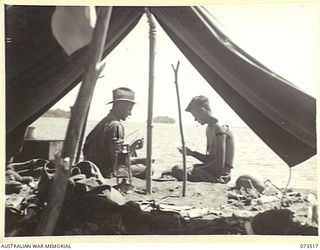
(122, 164)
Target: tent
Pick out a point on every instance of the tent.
(39, 73)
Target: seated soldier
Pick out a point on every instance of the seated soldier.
(103, 141)
(216, 164)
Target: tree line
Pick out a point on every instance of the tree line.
(57, 113)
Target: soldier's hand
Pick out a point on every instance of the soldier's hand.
(188, 150)
(138, 144)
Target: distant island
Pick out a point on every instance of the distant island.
(163, 119)
(57, 113)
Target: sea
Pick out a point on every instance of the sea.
(252, 155)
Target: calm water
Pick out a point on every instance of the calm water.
(252, 155)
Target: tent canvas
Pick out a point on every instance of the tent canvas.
(39, 72)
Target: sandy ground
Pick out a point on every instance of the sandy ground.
(220, 198)
(198, 194)
(207, 208)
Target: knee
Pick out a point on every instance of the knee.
(177, 172)
(175, 168)
(139, 171)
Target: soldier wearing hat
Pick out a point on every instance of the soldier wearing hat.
(102, 142)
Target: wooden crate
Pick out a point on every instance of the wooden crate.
(45, 149)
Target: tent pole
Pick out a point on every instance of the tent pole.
(152, 43)
(175, 71)
(56, 197)
(83, 130)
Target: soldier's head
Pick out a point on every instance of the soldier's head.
(122, 102)
(199, 107)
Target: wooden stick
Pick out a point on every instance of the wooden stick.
(152, 44)
(52, 211)
(175, 71)
(83, 129)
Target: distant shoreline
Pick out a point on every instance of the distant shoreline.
(163, 119)
(57, 113)
(138, 122)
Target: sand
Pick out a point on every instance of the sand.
(206, 209)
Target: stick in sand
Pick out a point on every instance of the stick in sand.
(175, 70)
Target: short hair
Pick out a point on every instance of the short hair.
(198, 102)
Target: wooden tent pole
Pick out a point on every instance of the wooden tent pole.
(184, 187)
(83, 129)
(152, 44)
(51, 213)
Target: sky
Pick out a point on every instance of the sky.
(282, 36)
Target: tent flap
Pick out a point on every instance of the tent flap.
(38, 71)
(278, 112)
